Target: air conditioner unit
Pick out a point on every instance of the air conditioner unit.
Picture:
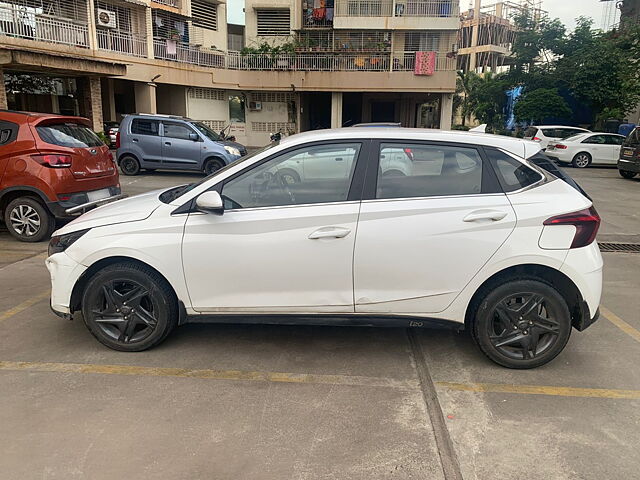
(255, 106)
(105, 18)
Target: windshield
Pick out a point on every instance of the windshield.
(575, 136)
(71, 135)
(206, 131)
(633, 140)
(175, 192)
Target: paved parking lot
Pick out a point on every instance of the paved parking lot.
(276, 402)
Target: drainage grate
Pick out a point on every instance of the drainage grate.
(608, 247)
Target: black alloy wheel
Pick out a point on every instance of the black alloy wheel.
(129, 307)
(129, 166)
(212, 165)
(627, 173)
(522, 324)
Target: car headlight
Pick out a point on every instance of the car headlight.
(232, 150)
(60, 243)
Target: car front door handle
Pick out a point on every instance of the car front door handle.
(329, 232)
(167, 143)
(480, 215)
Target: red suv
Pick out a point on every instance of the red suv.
(48, 165)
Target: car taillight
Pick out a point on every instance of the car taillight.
(536, 139)
(53, 160)
(118, 139)
(111, 157)
(586, 222)
(560, 146)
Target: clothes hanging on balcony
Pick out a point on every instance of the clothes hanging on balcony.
(319, 13)
(329, 14)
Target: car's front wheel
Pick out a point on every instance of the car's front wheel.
(129, 307)
(627, 173)
(522, 324)
(212, 165)
(28, 220)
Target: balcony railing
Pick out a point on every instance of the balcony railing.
(397, 8)
(185, 53)
(30, 23)
(122, 42)
(302, 62)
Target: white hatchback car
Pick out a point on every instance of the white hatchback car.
(473, 235)
(584, 149)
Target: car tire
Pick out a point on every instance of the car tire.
(289, 176)
(581, 160)
(522, 323)
(627, 174)
(129, 307)
(129, 165)
(212, 165)
(28, 220)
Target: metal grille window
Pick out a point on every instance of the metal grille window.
(274, 22)
(421, 42)
(71, 9)
(204, 14)
(207, 94)
(271, 97)
(272, 126)
(126, 19)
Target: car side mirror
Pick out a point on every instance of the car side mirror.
(210, 202)
(194, 137)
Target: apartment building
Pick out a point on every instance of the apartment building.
(295, 65)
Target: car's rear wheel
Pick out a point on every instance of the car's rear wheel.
(28, 220)
(522, 324)
(129, 307)
(627, 173)
(288, 176)
(581, 160)
(212, 165)
(129, 165)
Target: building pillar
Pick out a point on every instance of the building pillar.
(336, 109)
(145, 98)
(91, 21)
(149, 31)
(446, 111)
(92, 101)
(108, 100)
(3, 92)
(474, 37)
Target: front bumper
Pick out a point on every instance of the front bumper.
(585, 320)
(59, 208)
(64, 272)
(629, 165)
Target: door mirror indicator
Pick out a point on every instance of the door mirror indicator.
(194, 137)
(210, 202)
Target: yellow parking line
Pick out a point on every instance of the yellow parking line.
(620, 323)
(210, 374)
(541, 390)
(30, 302)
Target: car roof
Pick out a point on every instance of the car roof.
(518, 146)
(159, 116)
(36, 118)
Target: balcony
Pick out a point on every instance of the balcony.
(126, 43)
(188, 54)
(31, 24)
(168, 3)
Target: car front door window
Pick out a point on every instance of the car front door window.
(308, 175)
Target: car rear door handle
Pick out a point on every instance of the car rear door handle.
(134, 139)
(480, 215)
(167, 143)
(329, 232)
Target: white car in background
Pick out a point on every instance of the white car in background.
(543, 134)
(472, 236)
(586, 149)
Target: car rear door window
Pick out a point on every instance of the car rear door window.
(177, 130)
(142, 126)
(409, 171)
(512, 174)
(71, 135)
(596, 140)
(307, 175)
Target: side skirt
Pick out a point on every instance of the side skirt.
(344, 320)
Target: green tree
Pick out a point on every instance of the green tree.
(463, 101)
(488, 99)
(537, 105)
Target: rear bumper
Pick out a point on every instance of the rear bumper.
(59, 209)
(629, 165)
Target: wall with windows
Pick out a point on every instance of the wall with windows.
(209, 24)
(271, 22)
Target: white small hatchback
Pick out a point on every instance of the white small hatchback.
(378, 226)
